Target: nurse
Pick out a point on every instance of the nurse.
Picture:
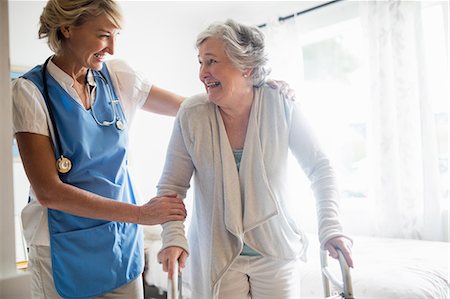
(72, 116)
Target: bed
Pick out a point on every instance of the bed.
(384, 268)
(387, 269)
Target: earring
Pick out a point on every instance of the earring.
(245, 75)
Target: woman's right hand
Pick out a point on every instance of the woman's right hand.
(161, 209)
(168, 257)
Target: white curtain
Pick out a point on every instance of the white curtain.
(284, 51)
(405, 197)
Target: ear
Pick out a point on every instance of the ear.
(247, 72)
(65, 30)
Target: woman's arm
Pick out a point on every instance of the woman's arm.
(176, 176)
(162, 101)
(316, 165)
(39, 164)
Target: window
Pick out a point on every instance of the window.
(336, 99)
(335, 94)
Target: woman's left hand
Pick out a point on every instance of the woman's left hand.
(168, 257)
(344, 245)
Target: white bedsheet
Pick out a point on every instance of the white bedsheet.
(387, 269)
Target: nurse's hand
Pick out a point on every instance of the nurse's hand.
(284, 88)
(161, 209)
(168, 257)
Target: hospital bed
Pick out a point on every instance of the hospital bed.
(384, 268)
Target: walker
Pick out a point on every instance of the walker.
(342, 289)
(174, 285)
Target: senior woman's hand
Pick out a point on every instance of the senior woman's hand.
(344, 245)
(168, 257)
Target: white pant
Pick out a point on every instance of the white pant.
(259, 277)
(42, 286)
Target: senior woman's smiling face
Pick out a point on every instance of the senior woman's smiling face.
(221, 78)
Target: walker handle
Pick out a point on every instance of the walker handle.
(174, 285)
(344, 286)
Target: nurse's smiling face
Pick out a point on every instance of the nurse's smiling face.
(89, 43)
(223, 81)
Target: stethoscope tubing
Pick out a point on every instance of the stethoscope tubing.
(114, 102)
(50, 111)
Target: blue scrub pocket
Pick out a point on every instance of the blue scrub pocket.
(94, 261)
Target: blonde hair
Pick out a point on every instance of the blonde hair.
(73, 12)
(244, 46)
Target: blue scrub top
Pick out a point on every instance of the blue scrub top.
(91, 257)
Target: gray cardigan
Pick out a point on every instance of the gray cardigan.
(231, 208)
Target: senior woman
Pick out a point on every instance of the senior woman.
(243, 241)
(81, 222)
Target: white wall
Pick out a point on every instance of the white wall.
(13, 284)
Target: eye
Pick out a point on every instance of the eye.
(211, 61)
(208, 62)
(108, 35)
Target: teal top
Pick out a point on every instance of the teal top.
(248, 251)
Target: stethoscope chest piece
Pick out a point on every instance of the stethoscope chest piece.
(120, 125)
(63, 165)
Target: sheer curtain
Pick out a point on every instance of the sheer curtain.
(284, 51)
(405, 197)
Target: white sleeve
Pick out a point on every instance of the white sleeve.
(316, 165)
(29, 110)
(131, 87)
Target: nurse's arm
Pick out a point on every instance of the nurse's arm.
(39, 163)
(162, 101)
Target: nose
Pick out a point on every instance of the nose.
(203, 72)
(111, 44)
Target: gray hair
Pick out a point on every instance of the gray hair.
(244, 46)
(57, 13)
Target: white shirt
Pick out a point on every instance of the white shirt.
(30, 115)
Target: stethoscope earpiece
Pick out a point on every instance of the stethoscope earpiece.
(120, 125)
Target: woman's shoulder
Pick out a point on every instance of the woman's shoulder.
(118, 65)
(276, 95)
(277, 103)
(198, 101)
(21, 86)
(195, 109)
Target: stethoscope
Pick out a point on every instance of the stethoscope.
(63, 164)
(114, 102)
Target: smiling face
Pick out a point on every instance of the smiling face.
(88, 44)
(223, 81)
